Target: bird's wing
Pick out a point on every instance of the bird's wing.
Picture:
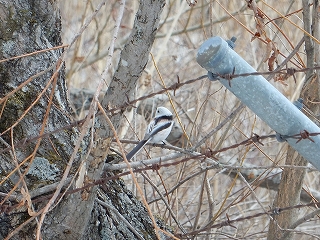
(149, 129)
(159, 128)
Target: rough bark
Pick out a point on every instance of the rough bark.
(27, 26)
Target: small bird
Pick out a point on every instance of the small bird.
(158, 130)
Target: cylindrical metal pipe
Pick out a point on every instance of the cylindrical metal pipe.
(260, 96)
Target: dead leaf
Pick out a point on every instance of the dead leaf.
(27, 198)
(268, 50)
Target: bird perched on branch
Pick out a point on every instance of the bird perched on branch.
(158, 130)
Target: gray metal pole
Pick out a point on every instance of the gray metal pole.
(260, 96)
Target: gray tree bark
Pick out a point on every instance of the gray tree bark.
(27, 26)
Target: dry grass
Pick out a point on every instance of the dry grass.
(201, 106)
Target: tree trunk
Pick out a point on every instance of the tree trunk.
(29, 26)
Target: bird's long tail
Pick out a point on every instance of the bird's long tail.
(136, 149)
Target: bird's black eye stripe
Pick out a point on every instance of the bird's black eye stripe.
(166, 117)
